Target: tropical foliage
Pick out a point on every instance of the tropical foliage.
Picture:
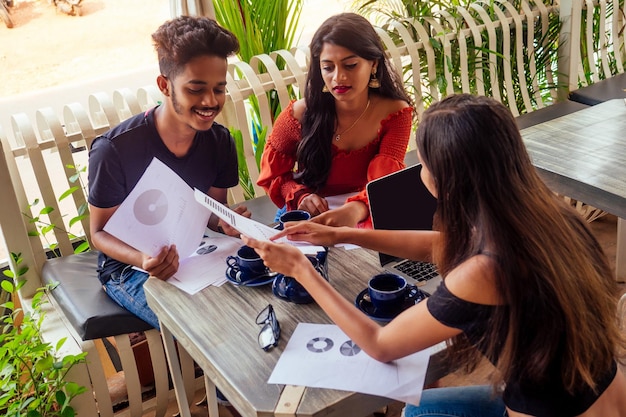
(603, 38)
(446, 15)
(33, 375)
(383, 11)
(262, 27)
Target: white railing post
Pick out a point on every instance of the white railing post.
(567, 52)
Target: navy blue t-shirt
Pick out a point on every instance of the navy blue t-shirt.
(119, 157)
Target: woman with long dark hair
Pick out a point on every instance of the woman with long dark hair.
(526, 284)
(352, 126)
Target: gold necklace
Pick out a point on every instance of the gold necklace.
(355, 122)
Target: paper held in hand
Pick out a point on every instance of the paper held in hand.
(248, 226)
(159, 211)
(162, 210)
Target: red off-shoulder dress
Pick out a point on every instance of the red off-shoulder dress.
(350, 171)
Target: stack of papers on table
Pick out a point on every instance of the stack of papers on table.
(206, 266)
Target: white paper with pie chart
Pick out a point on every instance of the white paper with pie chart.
(150, 207)
(323, 356)
(160, 210)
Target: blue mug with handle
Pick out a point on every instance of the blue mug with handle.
(246, 265)
(292, 216)
(291, 290)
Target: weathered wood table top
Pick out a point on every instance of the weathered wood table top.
(583, 155)
(217, 328)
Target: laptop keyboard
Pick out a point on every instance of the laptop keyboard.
(418, 270)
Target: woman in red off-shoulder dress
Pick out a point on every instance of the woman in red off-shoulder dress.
(352, 126)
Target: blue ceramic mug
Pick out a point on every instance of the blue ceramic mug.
(387, 291)
(246, 265)
(289, 289)
(292, 216)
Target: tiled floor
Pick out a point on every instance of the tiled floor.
(605, 229)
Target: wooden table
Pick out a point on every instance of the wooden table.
(583, 155)
(217, 328)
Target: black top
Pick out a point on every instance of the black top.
(547, 398)
(119, 157)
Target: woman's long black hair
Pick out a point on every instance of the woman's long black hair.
(551, 273)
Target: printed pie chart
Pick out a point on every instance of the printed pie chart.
(150, 207)
(319, 344)
(349, 348)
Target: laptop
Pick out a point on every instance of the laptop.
(404, 189)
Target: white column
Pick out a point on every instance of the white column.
(192, 8)
(569, 15)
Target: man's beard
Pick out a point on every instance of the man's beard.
(178, 109)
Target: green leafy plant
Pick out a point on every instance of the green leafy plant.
(544, 47)
(33, 375)
(383, 11)
(262, 26)
(593, 45)
(45, 227)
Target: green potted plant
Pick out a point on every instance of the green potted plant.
(33, 382)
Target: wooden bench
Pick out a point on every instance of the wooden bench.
(79, 308)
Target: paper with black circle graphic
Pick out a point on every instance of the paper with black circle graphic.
(322, 356)
(160, 211)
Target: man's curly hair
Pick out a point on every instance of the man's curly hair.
(179, 40)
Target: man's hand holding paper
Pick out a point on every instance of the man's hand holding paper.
(164, 265)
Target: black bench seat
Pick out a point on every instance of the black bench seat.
(85, 304)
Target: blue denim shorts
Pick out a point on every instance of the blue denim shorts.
(126, 289)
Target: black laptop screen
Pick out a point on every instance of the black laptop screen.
(400, 201)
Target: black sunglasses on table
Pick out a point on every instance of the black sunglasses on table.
(270, 332)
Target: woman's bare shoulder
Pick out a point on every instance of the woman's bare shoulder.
(474, 280)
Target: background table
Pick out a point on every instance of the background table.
(217, 328)
(583, 155)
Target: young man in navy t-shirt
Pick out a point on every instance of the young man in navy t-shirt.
(181, 133)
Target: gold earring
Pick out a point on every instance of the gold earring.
(374, 82)
(325, 89)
